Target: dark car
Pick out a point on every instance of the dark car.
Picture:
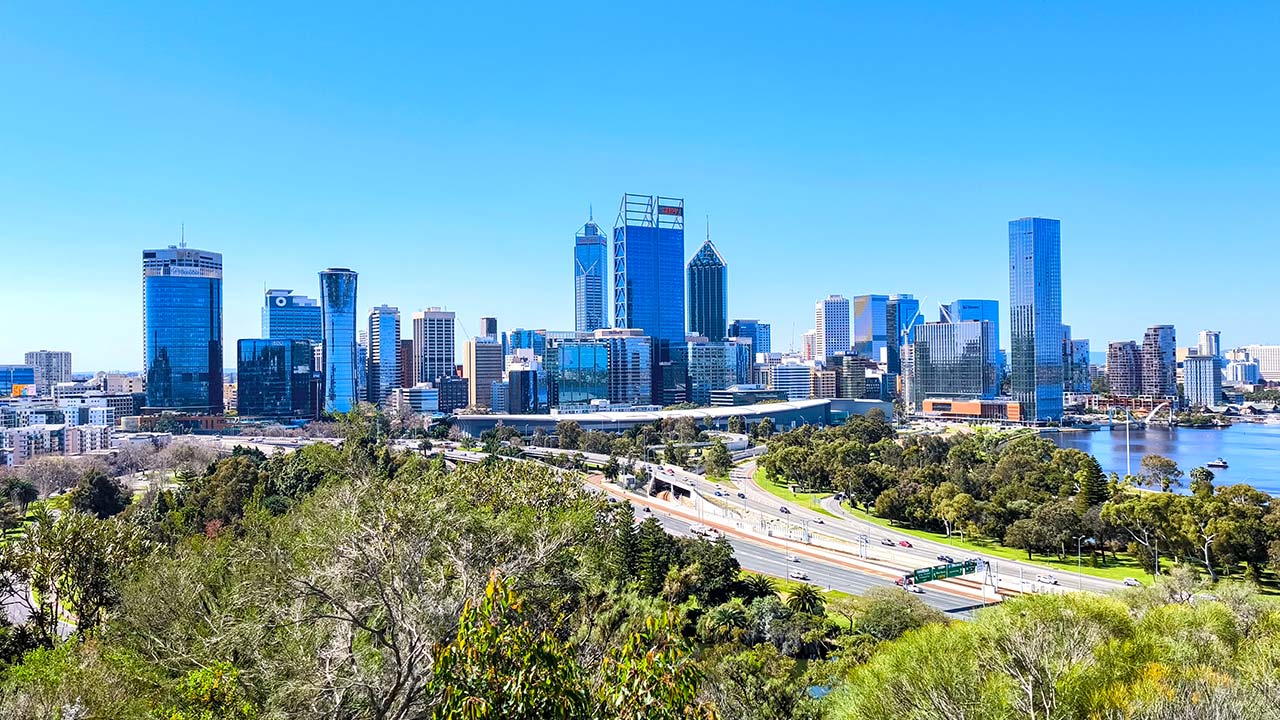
(742, 495)
(784, 510)
(946, 558)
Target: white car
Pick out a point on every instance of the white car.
(792, 558)
(1132, 582)
(1047, 579)
(799, 575)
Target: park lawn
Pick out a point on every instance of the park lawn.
(786, 585)
(782, 492)
(1126, 567)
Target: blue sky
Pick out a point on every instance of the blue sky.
(449, 154)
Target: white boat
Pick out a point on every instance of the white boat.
(1219, 463)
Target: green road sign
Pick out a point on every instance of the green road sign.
(941, 572)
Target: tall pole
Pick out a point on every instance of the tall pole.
(1079, 577)
(1128, 449)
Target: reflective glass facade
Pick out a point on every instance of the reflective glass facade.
(182, 329)
(338, 303)
(902, 313)
(987, 310)
(286, 316)
(951, 360)
(535, 340)
(1035, 317)
(631, 370)
(384, 354)
(274, 378)
(17, 380)
(580, 372)
(755, 331)
(522, 392)
(590, 280)
(648, 285)
(870, 325)
(708, 294)
(717, 366)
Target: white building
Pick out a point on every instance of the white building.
(1267, 357)
(831, 327)
(1210, 343)
(52, 367)
(422, 399)
(1202, 385)
(793, 378)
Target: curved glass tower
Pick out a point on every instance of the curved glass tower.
(338, 307)
(708, 293)
(590, 263)
(182, 329)
(1035, 317)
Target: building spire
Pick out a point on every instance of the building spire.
(708, 227)
(591, 213)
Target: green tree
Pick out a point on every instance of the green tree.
(764, 428)
(1159, 471)
(806, 598)
(569, 434)
(888, 613)
(759, 586)
(757, 683)
(20, 492)
(653, 675)
(737, 425)
(99, 495)
(655, 554)
(212, 693)
(716, 459)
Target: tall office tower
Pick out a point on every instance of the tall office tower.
(901, 314)
(753, 330)
(273, 378)
(808, 344)
(708, 293)
(339, 353)
(482, 365)
(1076, 377)
(831, 327)
(648, 285)
(489, 329)
(286, 316)
(384, 354)
(362, 364)
(1124, 369)
(631, 375)
(577, 372)
(1210, 343)
(716, 366)
(793, 378)
(521, 339)
(1035, 316)
(987, 310)
(871, 326)
(1159, 362)
(405, 360)
(1203, 383)
(590, 281)
(951, 360)
(433, 349)
(52, 367)
(182, 329)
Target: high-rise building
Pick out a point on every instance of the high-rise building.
(454, 392)
(1124, 369)
(433, 346)
(631, 374)
(1077, 378)
(648, 285)
(1159, 362)
(286, 316)
(902, 314)
(831, 327)
(535, 340)
(274, 378)
(489, 328)
(522, 391)
(808, 344)
(384, 354)
(755, 331)
(405, 360)
(1266, 356)
(871, 326)
(339, 353)
(482, 362)
(17, 380)
(182, 329)
(1203, 380)
(577, 372)
(716, 366)
(590, 278)
(982, 310)
(708, 293)
(1035, 317)
(951, 360)
(1210, 343)
(793, 378)
(52, 367)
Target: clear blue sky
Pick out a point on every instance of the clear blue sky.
(449, 155)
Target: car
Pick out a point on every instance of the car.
(946, 559)
(915, 589)
(792, 558)
(864, 539)
(887, 541)
(904, 543)
(1047, 579)
(719, 494)
(646, 509)
(784, 510)
(818, 521)
(742, 495)
(798, 575)
(1132, 582)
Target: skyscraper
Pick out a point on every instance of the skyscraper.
(384, 354)
(182, 329)
(489, 328)
(716, 366)
(988, 310)
(286, 316)
(52, 367)
(1203, 385)
(871, 325)
(482, 366)
(433, 346)
(708, 293)
(339, 353)
(590, 284)
(951, 360)
(1210, 343)
(273, 378)
(831, 327)
(1159, 362)
(1035, 316)
(755, 331)
(902, 314)
(1124, 369)
(648, 285)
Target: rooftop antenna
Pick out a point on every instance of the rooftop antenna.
(182, 235)
(591, 213)
(708, 227)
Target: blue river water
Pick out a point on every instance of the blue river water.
(1251, 450)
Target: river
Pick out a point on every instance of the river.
(1252, 450)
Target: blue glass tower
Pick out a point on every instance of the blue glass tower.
(590, 286)
(902, 314)
(708, 293)
(755, 331)
(384, 354)
(286, 316)
(1035, 317)
(870, 325)
(338, 304)
(16, 380)
(182, 329)
(982, 311)
(274, 378)
(648, 285)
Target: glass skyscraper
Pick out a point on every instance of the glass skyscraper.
(590, 284)
(716, 366)
(901, 315)
(182, 329)
(831, 328)
(16, 380)
(648, 285)
(579, 372)
(708, 293)
(755, 331)
(871, 325)
(951, 360)
(286, 316)
(273, 378)
(1035, 317)
(384, 354)
(982, 310)
(338, 305)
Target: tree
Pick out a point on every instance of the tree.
(653, 675)
(759, 586)
(952, 507)
(755, 683)
(1145, 517)
(655, 554)
(569, 434)
(1091, 485)
(764, 428)
(99, 495)
(611, 468)
(1160, 471)
(888, 613)
(20, 492)
(737, 425)
(1027, 535)
(805, 598)
(716, 459)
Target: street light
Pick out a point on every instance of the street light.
(1079, 578)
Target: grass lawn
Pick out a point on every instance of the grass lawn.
(803, 499)
(1126, 567)
(785, 587)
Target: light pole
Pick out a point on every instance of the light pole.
(1079, 577)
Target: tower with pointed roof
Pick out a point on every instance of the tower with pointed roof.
(590, 288)
(708, 293)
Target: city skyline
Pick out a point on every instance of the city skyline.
(333, 161)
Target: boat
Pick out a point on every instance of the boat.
(1219, 463)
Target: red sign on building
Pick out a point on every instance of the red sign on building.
(670, 210)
